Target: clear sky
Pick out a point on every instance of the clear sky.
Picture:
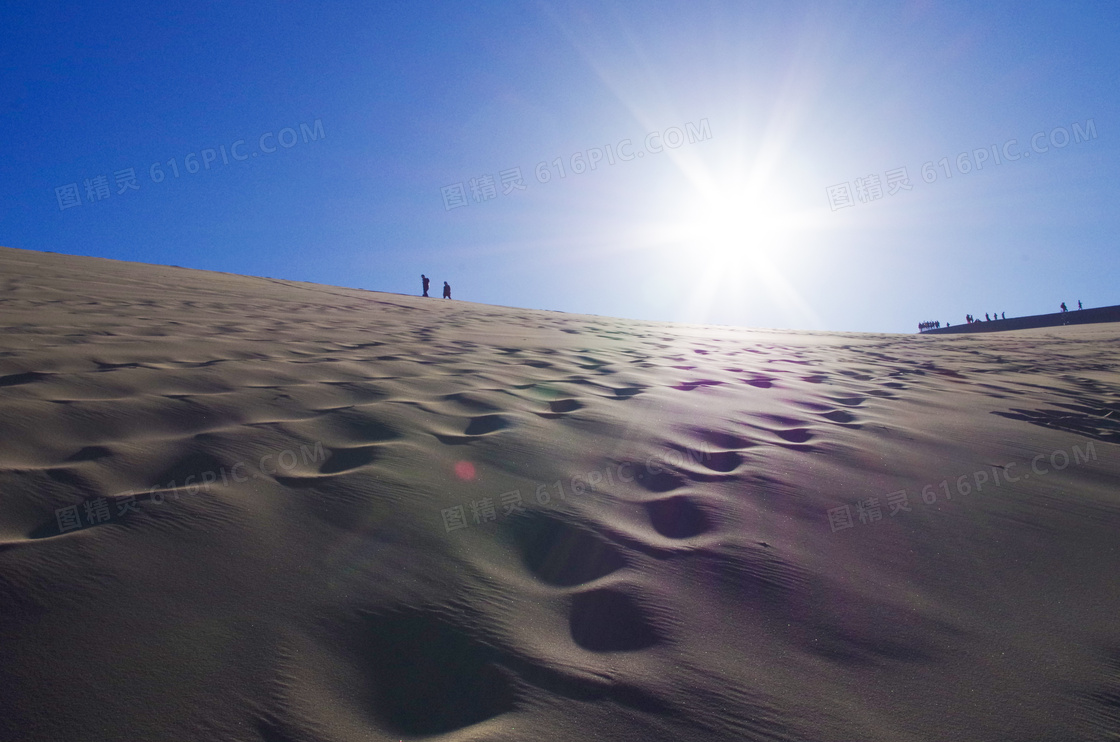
(747, 154)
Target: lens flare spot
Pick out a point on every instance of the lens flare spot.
(464, 470)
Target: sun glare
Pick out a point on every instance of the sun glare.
(731, 227)
(728, 248)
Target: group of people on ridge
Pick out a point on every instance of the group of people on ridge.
(923, 326)
(993, 318)
(446, 286)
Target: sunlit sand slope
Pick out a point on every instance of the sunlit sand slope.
(239, 508)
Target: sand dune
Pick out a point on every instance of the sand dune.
(239, 508)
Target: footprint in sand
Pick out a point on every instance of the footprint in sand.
(91, 453)
(678, 517)
(700, 463)
(477, 427)
(721, 438)
(484, 424)
(565, 405)
(605, 619)
(561, 554)
(196, 466)
(658, 480)
(427, 676)
(793, 431)
(343, 460)
(723, 462)
(24, 378)
(850, 401)
(795, 435)
(839, 416)
(610, 620)
(561, 408)
(689, 386)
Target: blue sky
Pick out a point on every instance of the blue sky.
(389, 104)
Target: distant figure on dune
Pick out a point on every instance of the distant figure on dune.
(1064, 307)
(1078, 303)
(987, 318)
(446, 290)
(1003, 315)
(426, 281)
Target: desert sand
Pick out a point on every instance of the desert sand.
(238, 508)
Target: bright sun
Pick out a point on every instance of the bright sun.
(730, 227)
(725, 242)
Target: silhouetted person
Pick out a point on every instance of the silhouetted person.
(1078, 303)
(426, 281)
(1003, 315)
(987, 318)
(1064, 307)
(446, 290)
